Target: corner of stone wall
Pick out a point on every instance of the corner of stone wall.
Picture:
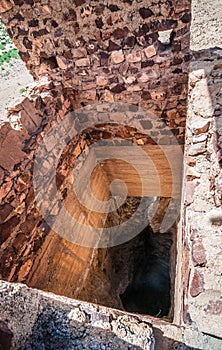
(202, 208)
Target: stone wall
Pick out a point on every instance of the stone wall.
(22, 227)
(202, 215)
(87, 54)
(43, 319)
(128, 51)
(56, 322)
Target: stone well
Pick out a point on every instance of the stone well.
(114, 72)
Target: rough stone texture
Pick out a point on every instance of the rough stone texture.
(23, 230)
(206, 24)
(39, 320)
(20, 218)
(150, 51)
(44, 320)
(203, 208)
(197, 284)
(55, 39)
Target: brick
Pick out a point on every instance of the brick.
(101, 81)
(197, 284)
(82, 62)
(80, 52)
(134, 57)
(150, 51)
(117, 57)
(198, 253)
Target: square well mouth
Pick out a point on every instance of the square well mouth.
(137, 273)
(136, 276)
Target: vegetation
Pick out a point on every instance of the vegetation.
(22, 90)
(7, 48)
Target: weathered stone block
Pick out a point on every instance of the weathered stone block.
(145, 12)
(27, 122)
(88, 95)
(62, 62)
(130, 80)
(200, 125)
(101, 81)
(198, 253)
(197, 284)
(118, 88)
(117, 57)
(82, 62)
(108, 97)
(165, 36)
(158, 95)
(197, 148)
(24, 182)
(150, 51)
(80, 52)
(134, 57)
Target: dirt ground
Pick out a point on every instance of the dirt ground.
(206, 28)
(12, 80)
(206, 32)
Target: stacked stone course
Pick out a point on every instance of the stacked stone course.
(110, 51)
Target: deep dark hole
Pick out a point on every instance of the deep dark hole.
(149, 289)
(135, 276)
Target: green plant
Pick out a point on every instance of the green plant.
(7, 48)
(22, 90)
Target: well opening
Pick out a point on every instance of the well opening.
(136, 274)
(135, 54)
(149, 289)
